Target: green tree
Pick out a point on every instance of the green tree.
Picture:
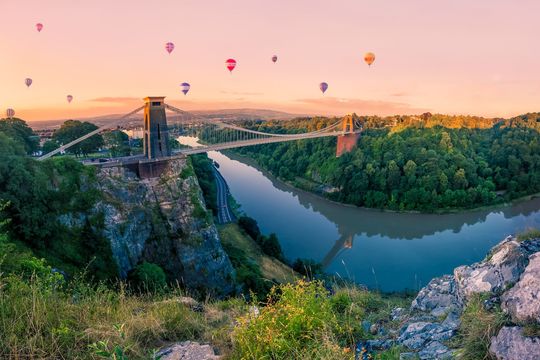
(117, 142)
(74, 129)
(20, 132)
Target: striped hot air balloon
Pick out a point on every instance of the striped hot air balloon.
(28, 82)
(10, 113)
(185, 87)
(169, 47)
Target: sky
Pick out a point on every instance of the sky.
(478, 57)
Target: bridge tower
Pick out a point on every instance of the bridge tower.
(156, 133)
(347, 141)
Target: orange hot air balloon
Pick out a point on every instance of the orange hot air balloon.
(369, 58)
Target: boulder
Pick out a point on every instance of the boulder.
(187, 350)
(435, 350)
(438, 297)
(416, 335)
(510, 344)
(522, 301)
(503, 266)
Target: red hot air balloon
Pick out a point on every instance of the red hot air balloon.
(231, 64)
(274, 58)
(39, 26)
(185, 87)
(323, 86)
(28, 82)
(69, 98)
(10, 113)
(169, 47)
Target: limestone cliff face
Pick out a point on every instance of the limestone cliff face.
(163, 220)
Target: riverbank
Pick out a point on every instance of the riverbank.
(252, 162)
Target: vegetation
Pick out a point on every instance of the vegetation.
(478, 325)
(204, 169)
(269, 244)
(147, 277)
(117, 142)
(419, 165)
(74, 129)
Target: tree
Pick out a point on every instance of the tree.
(49, 145)
(271, 247)
(20, 132)
(250, 226)
(117, 142)
(74, 129)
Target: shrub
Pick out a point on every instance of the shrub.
(250, 226)
(478, 325)
(529, 234)
(307, 267)
(271, 247)
(296, 323)
(147, 277)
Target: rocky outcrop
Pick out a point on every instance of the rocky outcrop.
(504, 265)
(187, 350)
(510, 344)
(510, 273)
(163, 220)
(522, 301)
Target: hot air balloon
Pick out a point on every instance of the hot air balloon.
(185, 87)
(231, 64)
(69, 98)
(28, 82)
(39, 26)
(323, 86)
(274, 58)
(369, 58)
(169, 47)
(10, 113)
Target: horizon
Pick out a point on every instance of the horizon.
(456, 59)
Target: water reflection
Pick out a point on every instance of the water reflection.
(384, 250)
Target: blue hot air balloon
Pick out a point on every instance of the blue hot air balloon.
(185, 87)
(323, 86)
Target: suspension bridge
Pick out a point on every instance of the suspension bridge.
(217, 134)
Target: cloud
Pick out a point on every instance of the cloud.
(240, 93)
(399, 94)
(336, 106)
(120, 100)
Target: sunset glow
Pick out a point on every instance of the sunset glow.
(461, 57)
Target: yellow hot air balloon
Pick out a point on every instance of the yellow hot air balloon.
(369, 58)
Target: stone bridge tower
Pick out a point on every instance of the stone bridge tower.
(156, 133)
(347, 141)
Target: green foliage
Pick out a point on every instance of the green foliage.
(49, 145)
(271, 247)
(477, 327)
(421, 167)
(204, 169)
(297, 322)
(117, 142)
(529, 234)
(21, 133)
(148, 277)
(74, 129)
(307, 267)
(250, 226)
(9, 146)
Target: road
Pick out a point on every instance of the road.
(225, 215)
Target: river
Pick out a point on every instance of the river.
(383, 250)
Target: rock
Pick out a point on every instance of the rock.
(381, 344)
(187, 350)
(398, 314)
(438, 297)
(522, 301)
(416, 335)
(510, 344)
(452, 321)
(366, 325)
(408, 356)
(505, 264)
(435, 350)
(374, 329)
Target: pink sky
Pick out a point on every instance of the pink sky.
(476, 57)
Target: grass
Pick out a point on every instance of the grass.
(529, 235)
(478, 325)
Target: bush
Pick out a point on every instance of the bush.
(250, 226)
(307, 267)
(147, 277)
(529, 235)
(271, 247)
(296, 323)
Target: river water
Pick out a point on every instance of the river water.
(383, 250)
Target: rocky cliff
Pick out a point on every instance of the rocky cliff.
(163, 220)
(506, 283)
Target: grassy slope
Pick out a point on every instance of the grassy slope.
(271, 268)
